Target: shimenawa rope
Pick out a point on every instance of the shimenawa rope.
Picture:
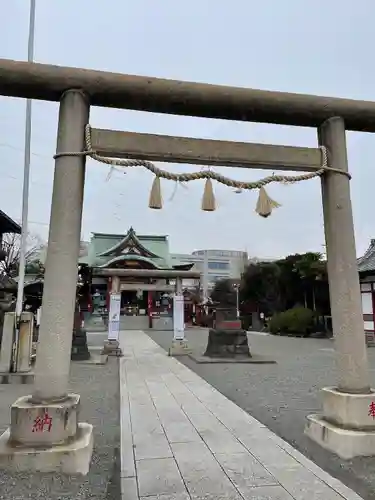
(264, 206)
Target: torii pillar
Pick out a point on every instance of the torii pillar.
(347, 425)
(45, 434)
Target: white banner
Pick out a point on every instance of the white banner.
(178, 317)
(114, 316)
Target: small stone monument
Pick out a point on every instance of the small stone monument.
(227, 339)
(80, 350)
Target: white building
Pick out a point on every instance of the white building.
(215, 265)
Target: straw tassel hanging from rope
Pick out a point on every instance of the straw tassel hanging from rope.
(265, 204)
(156, 201)
(208, 200)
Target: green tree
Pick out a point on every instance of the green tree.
(224, 293)
(291, 289)
(297, 280)
(310, 268)
(260, 286)
(11, 246)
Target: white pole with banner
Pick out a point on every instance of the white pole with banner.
(178, 317)
(25, 196)
(114, 316)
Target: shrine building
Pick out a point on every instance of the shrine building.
(140, 268)
(366, 268)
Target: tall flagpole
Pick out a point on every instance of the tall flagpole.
(26, 180)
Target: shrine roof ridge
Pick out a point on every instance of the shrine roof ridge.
(366, 263)
(122, 235)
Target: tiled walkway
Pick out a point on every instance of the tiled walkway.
(181, 439)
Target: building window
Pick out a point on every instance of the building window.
(218, 265)
(216, 277)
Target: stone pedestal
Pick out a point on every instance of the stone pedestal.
(179, 348)
(347, 425)
(80, 350)
(227, 343)
(25, 342)
(37, 424)
(46, 438)
(71, 458)
(112, 348)
(7, 342)
(24, 350)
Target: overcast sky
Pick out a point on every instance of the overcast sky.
(308, 46)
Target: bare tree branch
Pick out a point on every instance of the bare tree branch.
(11, 246)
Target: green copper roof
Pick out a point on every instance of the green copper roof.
(109, 248)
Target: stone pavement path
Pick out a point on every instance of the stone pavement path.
(181, 439)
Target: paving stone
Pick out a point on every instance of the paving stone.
(268, 453)
(219, 496)
(145, 422)
(270, 493)
(168, 408)
(205, 421)
(129, 488)
(222, 441)
(150, 446)
(245, 472)
(202, 474)
(157, 388)
(127, 464)
(181, 432)
(160, 476)
(178, 496)
(176, 425)
(303, 484)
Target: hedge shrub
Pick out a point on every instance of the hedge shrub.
(298, 320)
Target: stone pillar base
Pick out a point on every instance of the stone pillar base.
(179, 348)
(34, 424)
(72, 459)
(112, 348)
(47, 437)
(347, 425)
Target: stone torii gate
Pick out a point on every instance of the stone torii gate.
(44, 426)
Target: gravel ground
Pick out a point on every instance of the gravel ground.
(281, 395)
(98, 386)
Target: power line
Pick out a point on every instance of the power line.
(10, 146)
